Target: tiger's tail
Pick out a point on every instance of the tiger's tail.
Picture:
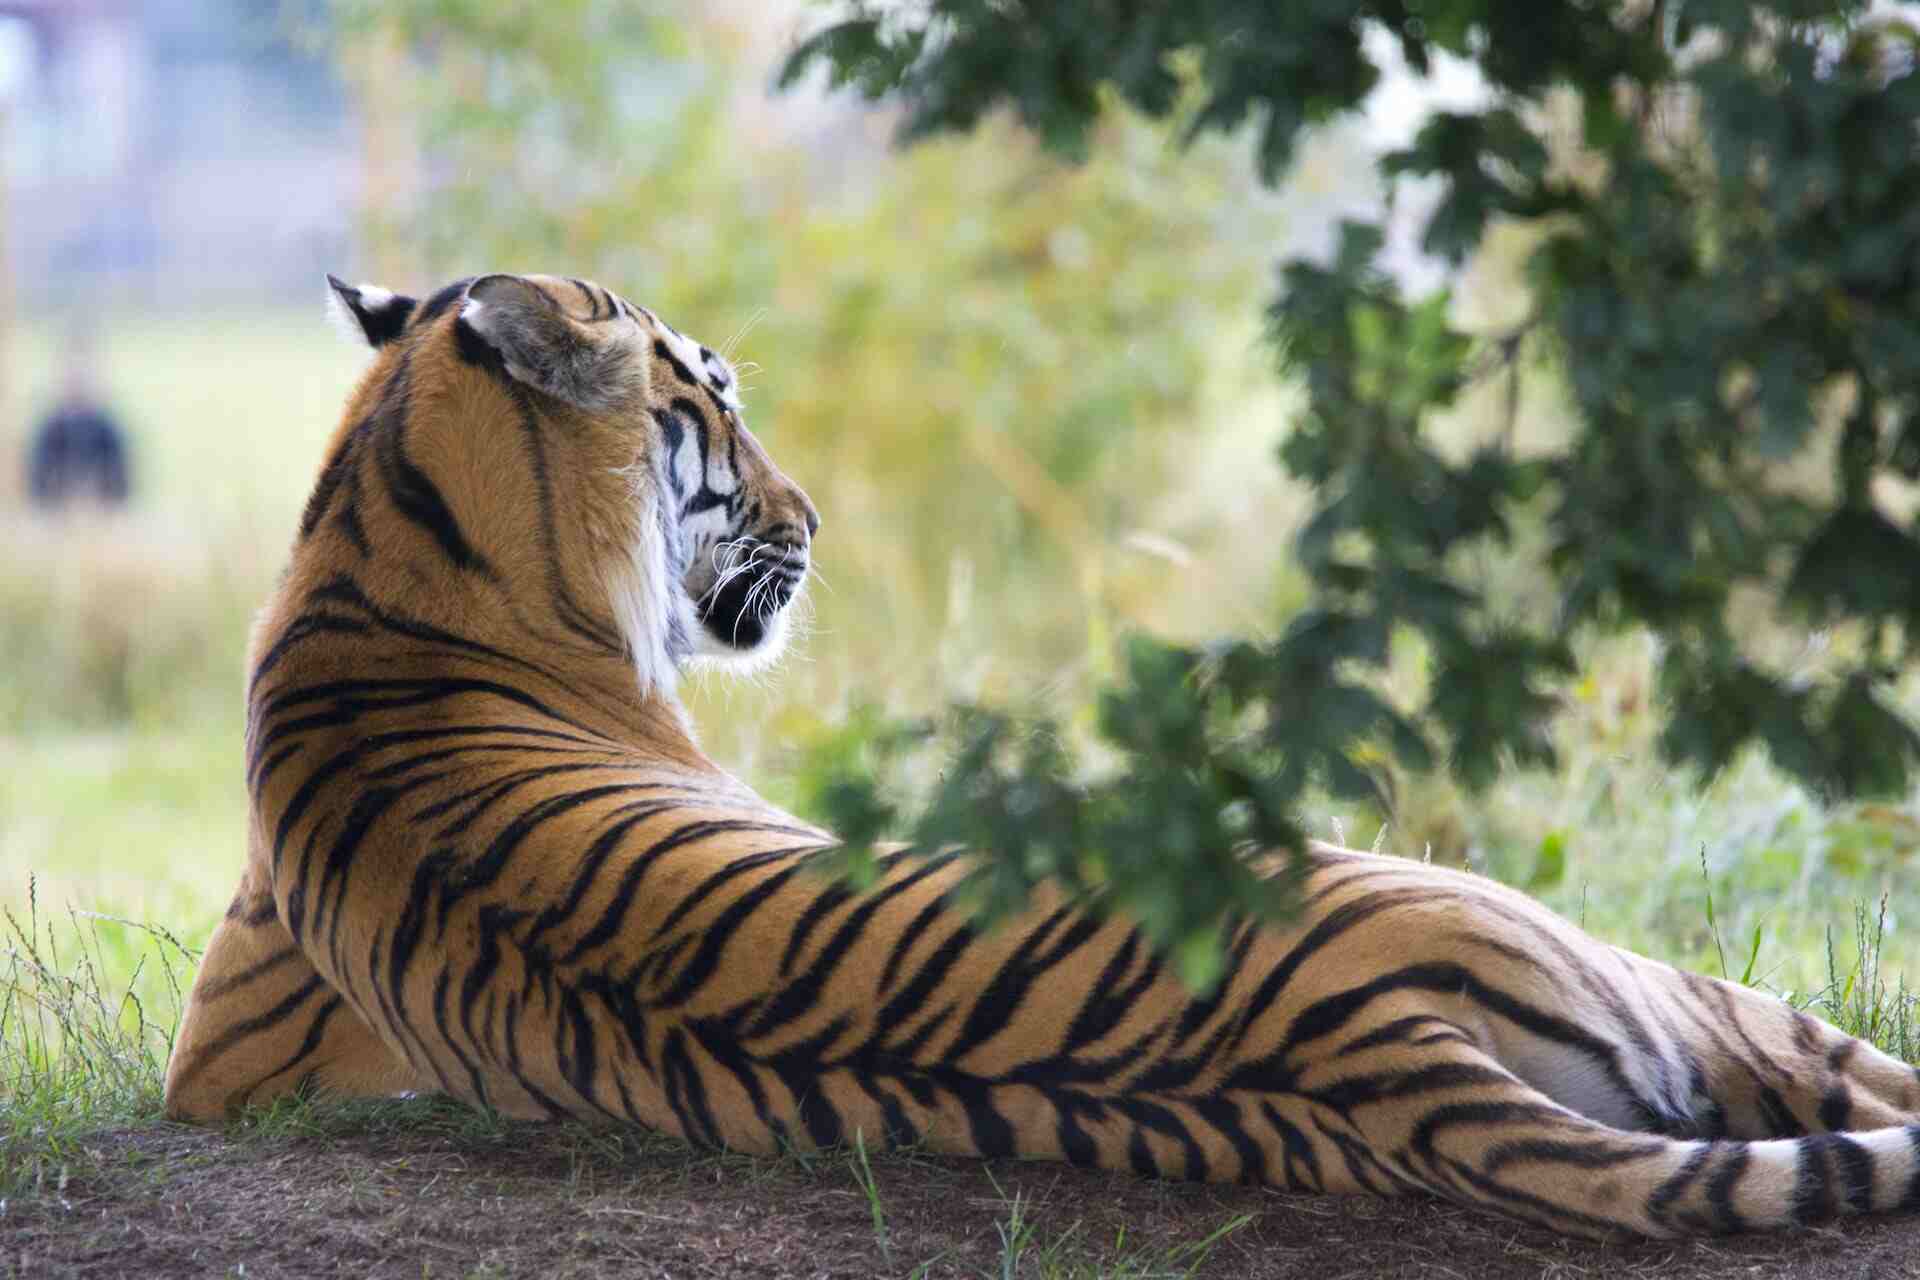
(1465, 1128)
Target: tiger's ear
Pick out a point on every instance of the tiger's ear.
(377, 314)
(591, 367)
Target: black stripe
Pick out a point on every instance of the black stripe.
(601, 633)
(1223, 1114)
(1479, 1115)
(588, 873)
(1720, 1187)
(1328, 1015)
(1582, 1152)
(1336, 922)
(316, 1031)
(1399, 1031)
(738, 867)
(437, 305)
(491, 922)
(1521, 1203)
(1836, 1109)
(828, 899)
(593, 300)
(305, 796)
(933, 969)
(614, 914)
(706, 960)
(331, 476)
(302, 628)
(491, 792)
(481, 872)
(477, 1083)
(1076, 1144)
(341, 589)
(994, 1008)
(725, 1050)
(412, 491)
(216, 988)
(338, 867)
(1297, 1151)
(1107, 1003)
(803, 993)
(348, 517)
(662, 351)
(1152, 1117)
(1350, 1092)
(991, 1133)
(686, 1095)
(264, 1021)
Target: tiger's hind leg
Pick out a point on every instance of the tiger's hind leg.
(260, 1022)
(1773, 1071)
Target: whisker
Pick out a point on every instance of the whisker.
(740, 335)
(732, 570)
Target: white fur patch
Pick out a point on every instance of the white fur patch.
(688, 353)
(340, 315)
(647, 598)
(714, 654)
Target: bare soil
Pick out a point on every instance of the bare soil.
(164, 1200)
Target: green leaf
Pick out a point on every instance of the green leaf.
(1550, 865)
(1753, 955)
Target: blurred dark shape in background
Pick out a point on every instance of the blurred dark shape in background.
(78, 451)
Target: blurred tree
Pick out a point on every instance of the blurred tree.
(925, 320)
(1727, 198)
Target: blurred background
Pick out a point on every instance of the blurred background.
(1032, 401)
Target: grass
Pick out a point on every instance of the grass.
(87, 1015)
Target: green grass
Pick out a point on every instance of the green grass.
(87, 1015)
(1032, 1243)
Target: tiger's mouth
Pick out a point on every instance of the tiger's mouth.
(749, 585)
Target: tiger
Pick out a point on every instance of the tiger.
(488, 859)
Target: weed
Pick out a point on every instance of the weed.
(1857, 997)
(870, 1186)
(1016, 1232)
(82, 1046)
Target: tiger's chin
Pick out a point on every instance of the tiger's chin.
(742, 642)
(712, 652)
(744, 620)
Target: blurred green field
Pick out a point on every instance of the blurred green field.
(124, 635)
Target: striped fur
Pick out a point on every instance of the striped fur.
(489, 859)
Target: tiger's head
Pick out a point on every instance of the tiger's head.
(551, 437)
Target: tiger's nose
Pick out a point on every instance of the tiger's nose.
(813, 516)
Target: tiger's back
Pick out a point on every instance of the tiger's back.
(488, 859)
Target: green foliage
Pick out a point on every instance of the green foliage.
(1161, 844)
(1727, 276)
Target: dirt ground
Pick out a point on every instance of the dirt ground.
(165, 1201)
